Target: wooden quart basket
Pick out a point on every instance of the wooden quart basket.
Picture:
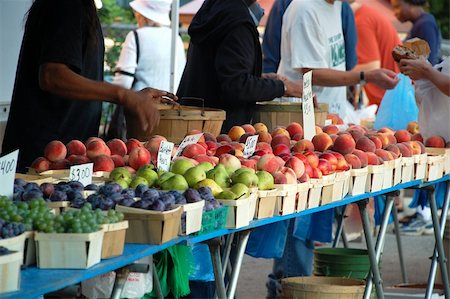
(176, 122)
(274, 114)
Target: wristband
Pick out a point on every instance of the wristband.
(362, 78)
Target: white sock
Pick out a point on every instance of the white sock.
(425, 212)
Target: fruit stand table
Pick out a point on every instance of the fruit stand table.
(36, 282)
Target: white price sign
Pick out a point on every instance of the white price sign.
(164, 155)
(309, 122)
(82, 173)
(8, 165)
(190, 139)
(250, 145)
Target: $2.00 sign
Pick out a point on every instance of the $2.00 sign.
(8, 165)
(190, 139)
(164, 155)
(250, 146)
(309, 121)
(82, 173)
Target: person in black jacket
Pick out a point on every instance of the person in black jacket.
(224, 61)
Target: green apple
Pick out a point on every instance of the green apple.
(175, 182)
(266, 181)
(194, 175)
(138, 181)
(206, 166)
(240, 190)
(180, 166)
(247, 178)
(148, 173)
(226, 195)
(220, 176)
(165, 176)
(120, 173)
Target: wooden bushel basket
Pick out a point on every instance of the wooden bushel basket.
(176, 122)
(274, 114)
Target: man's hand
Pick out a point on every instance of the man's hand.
(415, 68)
(384, 78)
(273, 76)
(293, 88)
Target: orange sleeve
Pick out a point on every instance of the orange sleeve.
(367, 47)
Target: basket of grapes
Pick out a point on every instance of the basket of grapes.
(71, 240)
(10, 262)
(12, 235)
(153, 218)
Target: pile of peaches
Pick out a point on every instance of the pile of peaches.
(283, 152)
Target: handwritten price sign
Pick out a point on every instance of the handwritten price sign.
(82, 173)
(8, 165)
(164, 155)
(190, 139)
(309, 122)
(250, 145)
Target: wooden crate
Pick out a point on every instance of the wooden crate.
(408, 169)
(193, 213)
(357, 182)
(10, 271)
(238, 211)
(315, 193)
(16, 243)
(435, 168)
(114, 239)
(68, 251)
(330, 189)
(388, 177)
(397, 171)
(175, 124)
(265, 204)
(442, 152)
(275, 113)
(302, 196)
(286, 200)
(151, 227)
(253, 198)
(375, 176)
(420, 166)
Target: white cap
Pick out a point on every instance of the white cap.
(155, 10)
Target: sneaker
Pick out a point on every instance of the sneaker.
(415, 227)
(429, 228)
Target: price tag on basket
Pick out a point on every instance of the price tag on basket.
(309, 122)
(81, 173)
(8, 165)
(164, 155)
(190, 139)
(250, 145)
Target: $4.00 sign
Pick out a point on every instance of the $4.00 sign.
(8, 165)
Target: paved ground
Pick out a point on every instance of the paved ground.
(417, 251)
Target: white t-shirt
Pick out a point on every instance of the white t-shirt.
(311, 37)
(434, 106)
(154, 59)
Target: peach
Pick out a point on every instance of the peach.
(193, 150)
(312, 158)
(386, 130)
(344, 144)
(342, 164)
(394, 155)
(297, 137)
(402, 135)
(133, 143)
(130, 169)
(417, 137)
(281, 149)
(353, 160)
(96, 148)
(322, 142)
(205, 158)
(296, 165)
(223, 138)
(432, 141)
(316, 173)
(285, 156)
(383, 138)
(294, 129)
(55, 150)
(264, 136)
(372, 159)
(154, 143)
(356, 134)
(335, 119)
(237, 145)
(90, 139)
(230, 162)
(393, 148)
(308, 169)
(195, 132)
(264, 146)
(244, 137)
(78, 159)
(103, 163)
(209, 137)
(334, 137)
(304, 178)
(330, 129)
(413, 127)
(212, 147)
(325, 167)
(318, 130)
(249, 163)
(280, 131)
(303, 146)
(60, 164)
(279, 178)
(117, 147)
(365, 144)
(255, 157)
(118, 161)
(139, 157)
(421, 145)
(405, 150)
(40, 164)
(391, 138)
(203, 144)
(281, 139)
(248, 128)
(269, 163)
(75, 147)
(416, 147)
(363, 157)
(301, 157)
(291, 177)
(332, 159)
(376, 141)
(260, 127)
(384, 154)
(236, 132)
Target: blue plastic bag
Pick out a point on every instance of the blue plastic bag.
(398, 106)
(316, 226)
(268, 241)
